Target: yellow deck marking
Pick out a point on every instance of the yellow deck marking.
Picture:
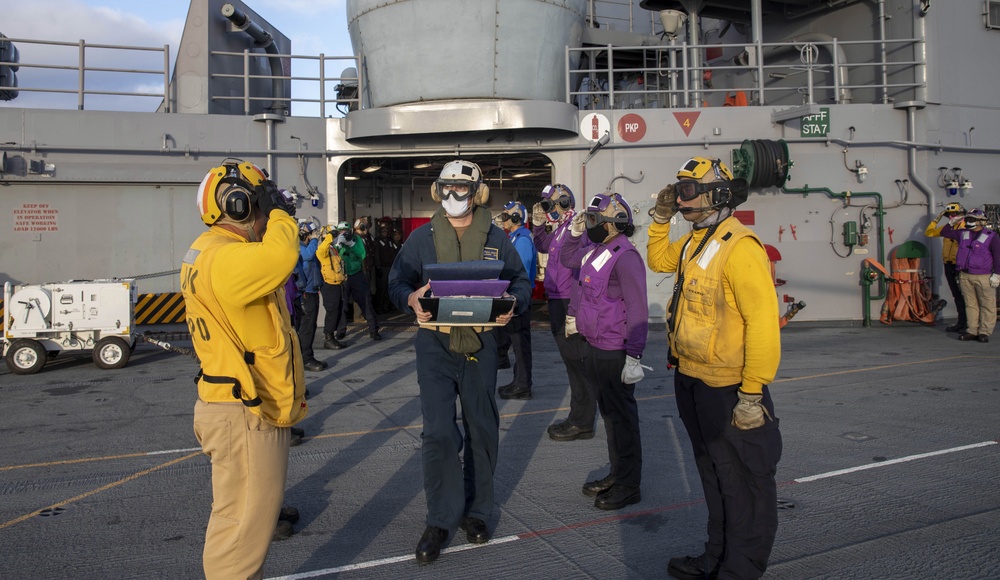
(100, 489)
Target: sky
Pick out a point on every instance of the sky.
(314, 27)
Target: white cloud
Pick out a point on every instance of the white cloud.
(70, 21)
(314, 26)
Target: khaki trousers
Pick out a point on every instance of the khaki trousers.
(980, 303)
(249, 465)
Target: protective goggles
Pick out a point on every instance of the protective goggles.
(594, 216)
(550, 204)
(971, 223)
(688, 190)
(454, 189)
(511, 209)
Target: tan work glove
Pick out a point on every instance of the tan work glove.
(749, 412)
(666, 205)
(570, 326)
(537, 215)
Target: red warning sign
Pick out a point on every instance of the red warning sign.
(687, 121)
(631, 128)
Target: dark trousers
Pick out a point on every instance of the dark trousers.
(454, 485)
(616, 401)
(518, 335)
(356, 286)
(382, 301)
(573, 350)
(307, 327)
(737, 474)
(333, 296)
(951, 275)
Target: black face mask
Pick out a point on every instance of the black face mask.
(348, 236)
(597, 234)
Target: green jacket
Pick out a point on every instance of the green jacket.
(353, 256)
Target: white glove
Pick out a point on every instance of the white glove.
(537, 215)
(577, 226)
(994, 280)
(340, 240)
(632, 371)
(749, 412)
(570, 326)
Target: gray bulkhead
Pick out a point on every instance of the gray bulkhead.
(493, 85)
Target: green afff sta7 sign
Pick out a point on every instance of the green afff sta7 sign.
(817, 125)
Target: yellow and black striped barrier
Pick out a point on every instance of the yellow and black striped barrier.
(166, 308)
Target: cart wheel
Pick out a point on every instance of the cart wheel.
(25, 356)
(111, 352)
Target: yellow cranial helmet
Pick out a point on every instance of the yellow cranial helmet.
(704, 169)
(227, 191)
(954, 207)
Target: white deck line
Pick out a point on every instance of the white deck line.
(506, 539)
(829, 474)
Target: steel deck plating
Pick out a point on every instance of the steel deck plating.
(889, 468)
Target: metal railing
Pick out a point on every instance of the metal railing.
(92, 78)
(660, 76)
(84, 70)
(666, 76)
(347, 91)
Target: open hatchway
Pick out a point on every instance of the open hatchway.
(398, 188)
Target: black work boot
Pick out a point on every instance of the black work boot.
(514, 391)
(691, 568)
(330, 342)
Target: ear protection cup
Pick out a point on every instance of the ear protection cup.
(482, 196)
(236, 203)
(721, 196)
(515, 218)
(621, 216)
(434, 193)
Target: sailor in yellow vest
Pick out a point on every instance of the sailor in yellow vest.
(332, 290)
(953, 214)
(251, 388)
(724, 342)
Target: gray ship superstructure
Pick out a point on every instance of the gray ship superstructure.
(854, 121)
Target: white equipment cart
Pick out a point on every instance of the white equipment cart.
(43, 320)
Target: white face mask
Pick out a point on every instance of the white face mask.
(456, 208)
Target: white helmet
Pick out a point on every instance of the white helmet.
(467, 176)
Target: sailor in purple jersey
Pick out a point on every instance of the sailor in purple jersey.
(612, 314)
(550, 220)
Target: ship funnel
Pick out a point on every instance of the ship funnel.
(464, 50)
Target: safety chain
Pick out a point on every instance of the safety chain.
(156, 275)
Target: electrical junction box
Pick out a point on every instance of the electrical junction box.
(850, 233)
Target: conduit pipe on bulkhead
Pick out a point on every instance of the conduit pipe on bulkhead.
(911, 170)
(880, 215)
(264, 40)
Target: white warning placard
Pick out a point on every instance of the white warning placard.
(594, 126)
